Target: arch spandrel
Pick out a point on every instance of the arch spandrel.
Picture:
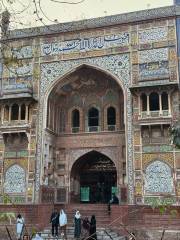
(116, 66)
(74, 155)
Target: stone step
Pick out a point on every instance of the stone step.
(102, 234)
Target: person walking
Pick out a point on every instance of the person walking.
(85, 228)
(63, 223)
(19, 226)
(55, 223)
(93, 228)
(77, 225)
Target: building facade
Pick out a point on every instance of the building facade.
(86, 109)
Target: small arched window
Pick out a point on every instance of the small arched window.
(93, 119)
(154, 102)
(111, 118)
(75, 120)
(15, 112)
(144, 102)
(23, 112)
(164, 98)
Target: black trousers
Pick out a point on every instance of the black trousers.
(55, 227)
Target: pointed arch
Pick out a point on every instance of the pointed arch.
(95, 173)
(61, 81)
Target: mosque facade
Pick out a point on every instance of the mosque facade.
(86, 109)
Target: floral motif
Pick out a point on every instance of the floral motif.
(153, 55)
(15, 180)
(153, 35)
(158, 178)
(118, 65)
(23, 52)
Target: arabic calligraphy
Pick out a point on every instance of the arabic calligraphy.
(85, 44)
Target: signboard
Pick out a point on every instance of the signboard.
(114, 190)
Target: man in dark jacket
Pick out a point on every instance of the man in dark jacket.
(55, 222)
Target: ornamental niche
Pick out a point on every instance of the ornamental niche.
(158, 178)
(15, 181)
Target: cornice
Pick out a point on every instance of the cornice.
(125, 18)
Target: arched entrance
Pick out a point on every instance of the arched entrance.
(93, 178)
(85, 110)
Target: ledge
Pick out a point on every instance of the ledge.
(137, 16)
(155, 84)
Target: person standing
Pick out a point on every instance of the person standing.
(93, 228)
(85, 228)
(76, 189)
(77, 224)
(55, 222)
(19, 226)
(63, 223)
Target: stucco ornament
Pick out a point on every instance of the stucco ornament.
(15, 180)
(158, 178)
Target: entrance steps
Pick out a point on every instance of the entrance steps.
(87, 210)
(102, 234)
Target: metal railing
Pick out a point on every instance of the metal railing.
(5, 195)
(75, 129)
(155, 114)
(94, 129)
(111, 127)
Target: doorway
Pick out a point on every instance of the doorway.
(95, 178)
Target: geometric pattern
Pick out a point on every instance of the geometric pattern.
(158, 178)
(15, 180)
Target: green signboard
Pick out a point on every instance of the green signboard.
(114, 190)
(84, 194)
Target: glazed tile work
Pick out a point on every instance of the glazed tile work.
(139, 58)
(153, 55)
(22, 53)
(158, 178)
(85, 44)
(153, 35)
(15, 180)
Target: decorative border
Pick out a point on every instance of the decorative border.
(155, 13)
(52, 73)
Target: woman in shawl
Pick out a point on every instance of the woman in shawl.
(85, 228)
(77, 224)
(63, 223)
(19, 226)
(93, 228)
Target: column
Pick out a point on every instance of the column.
(53, 112)
(169, 104)
(160, 104)
(148, 111)
(26, 116)
(19, 114)
(10, 110)
(2, 120)
(139, 104)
